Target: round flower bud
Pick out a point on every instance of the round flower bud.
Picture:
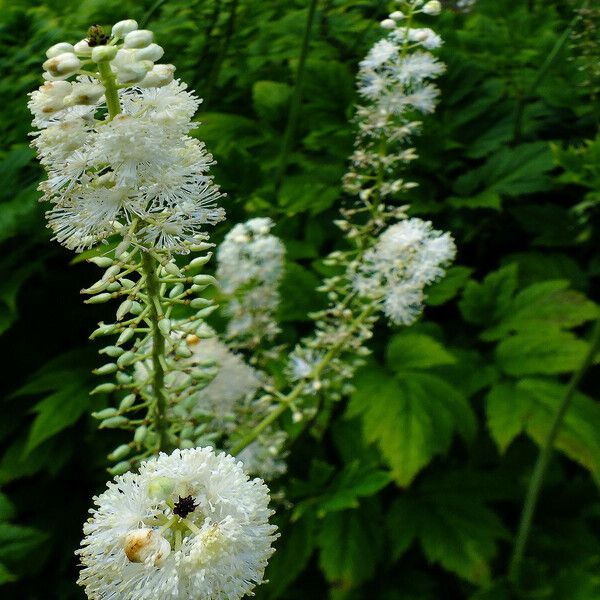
(388, 24)
(433, 7)
(57, 49)
(103, 53)
(146, 544)
(122, 28)
(84, 93)
(152, 52)
(138, 39)
(82, 47)
(397, 15)
(134, 72)
(63, 65)
(158, 76)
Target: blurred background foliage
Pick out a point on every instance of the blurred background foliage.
(413, 488)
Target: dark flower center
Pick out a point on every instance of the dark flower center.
(184, 506)
(96, 36)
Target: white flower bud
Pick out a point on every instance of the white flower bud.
(63, 65)
(138, 39)
(433, 7)
(103, 53)
(397, 15)
(388, 24)
(158, 76)
(57, 49)
(152, 52)
(122, 28)
(133, 73)
(82, 47)
(84, 93)
(146, 545)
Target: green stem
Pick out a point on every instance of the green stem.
(288, 400)
(524, 98)
(149, 266)
(537, 478)
(110, 86)
(290, 128)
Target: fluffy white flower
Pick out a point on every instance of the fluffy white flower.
(250, 267)
(190, 525)
(141, 164)
(407, 257)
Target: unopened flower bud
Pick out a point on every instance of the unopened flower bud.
(397, 15)
(433, 7)
(138, 39)
(62, 65)
(388, 24)
(122, 28)
(119, 452)
(58, 49)
(103, 53)
(160, 487)
(158, 76)
(146, 545)
(152, 52)
(82, 47)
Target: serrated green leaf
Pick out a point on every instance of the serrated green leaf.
(408, 351)
(343, 538)
(411, 419)
(511, 172)
(270, 99)
(17, 542)
(448, 287)
(485, 302)
(293, 551)
(57, 412)
(542, 305)
(454, 527)
(544, 352)
(531, 405)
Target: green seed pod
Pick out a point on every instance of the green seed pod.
(205, 312)
(111, 272)
(119, 452)
(165, 326)
(187, 432)
(127, 358)
(125, 336)
(199, 261)
(113, 422)
(200, 302)
(204, 280)
(101, 261)
(124, 308)
(105, 414)
(123, 378)
(120, 468)
(105, 369)
(140, 434)
(103, 388)
(176, 290)
(99, 299)
(127, 402)
(172, 269)
(112, 351)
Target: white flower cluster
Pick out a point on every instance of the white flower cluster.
(188, 525)
(137, 173)
(212, 391)
(395, 81)
(250, 267)
(406, 258)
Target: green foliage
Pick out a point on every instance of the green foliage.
(411, 487)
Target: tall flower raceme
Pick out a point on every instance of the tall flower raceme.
(390, 259)
(126, 179)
